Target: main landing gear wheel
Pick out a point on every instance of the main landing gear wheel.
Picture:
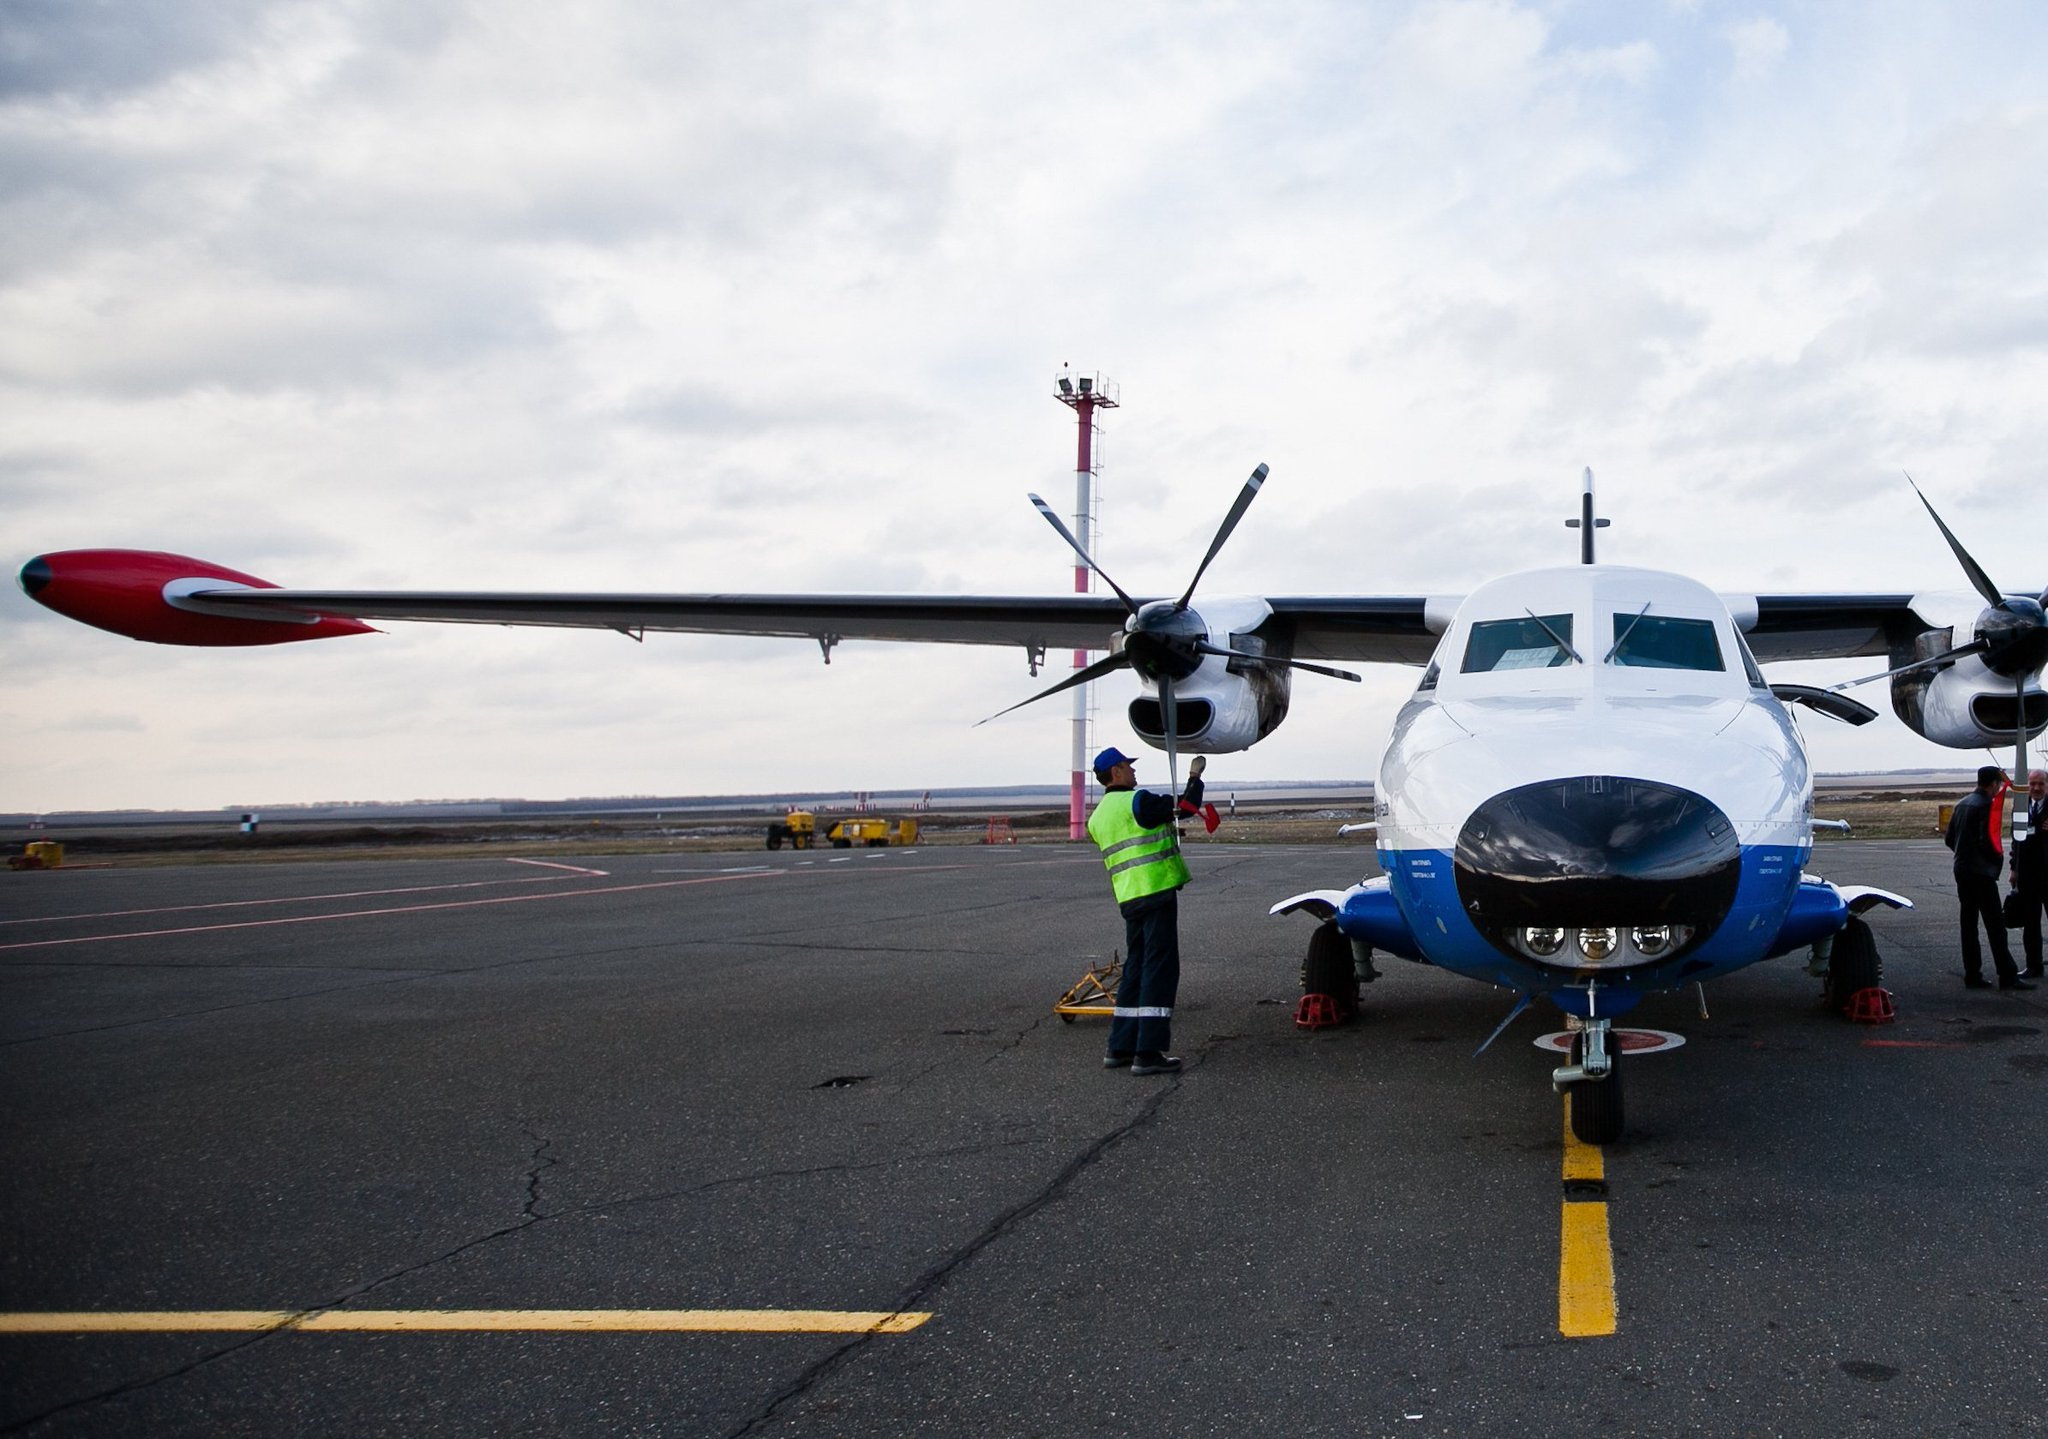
(1853, 965)
(1328, 969)
(1596, 1103)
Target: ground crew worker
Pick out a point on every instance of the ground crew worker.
(1973, 834)
(1135, 831)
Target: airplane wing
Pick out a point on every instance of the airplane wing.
(1365, 628)
(1383, 628)
(1051, 622)
(1819, 626)
(175, 599)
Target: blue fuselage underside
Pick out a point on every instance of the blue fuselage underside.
(1425, 889)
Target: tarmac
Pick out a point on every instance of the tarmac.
(492, 1146)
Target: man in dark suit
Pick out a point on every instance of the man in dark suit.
(2030, 870)
(1972, 835)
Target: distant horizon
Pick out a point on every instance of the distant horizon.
(892, 796)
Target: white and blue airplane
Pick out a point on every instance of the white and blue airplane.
(1593, 795)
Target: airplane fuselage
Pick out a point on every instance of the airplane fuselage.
(1592, 795)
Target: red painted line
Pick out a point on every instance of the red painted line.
(288, 899)
(394, 909)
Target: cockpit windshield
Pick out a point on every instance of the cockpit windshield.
(1664, 642)
(1524, 644)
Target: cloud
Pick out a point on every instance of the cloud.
(91, 49)
(1759, 47)
(771, 297)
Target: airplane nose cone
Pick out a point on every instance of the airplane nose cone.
(1597, 850)
(35, 575)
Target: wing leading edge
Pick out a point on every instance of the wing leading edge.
(177, 599)
(1388, 629)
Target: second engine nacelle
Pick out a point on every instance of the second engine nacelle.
(1965, 705)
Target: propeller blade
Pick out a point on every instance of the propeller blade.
(1166, 705)
(1245, 497)
(2020, 773)
(1208, 649)
(1095, 671)
(1970, 567)
(1974, 647)
(1068, 535)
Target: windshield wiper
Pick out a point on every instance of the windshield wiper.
(1562, 643)
(1624, 635)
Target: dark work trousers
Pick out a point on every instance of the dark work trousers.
(1143, 1022)
(1979, 900)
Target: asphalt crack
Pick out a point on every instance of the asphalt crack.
(1011, 1045)
(530, 1214)
(542, 1163)
(935, 1277)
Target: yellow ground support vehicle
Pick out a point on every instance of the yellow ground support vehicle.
(40, 854)
(872, 832)
(798, 829)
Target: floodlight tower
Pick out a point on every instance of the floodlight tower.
(1084, 396)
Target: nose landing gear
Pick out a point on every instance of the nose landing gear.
(1593, 1080)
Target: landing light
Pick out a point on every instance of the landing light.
(1599, 946)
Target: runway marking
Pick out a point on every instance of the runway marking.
(390, 1321)
(582, 893)
(552, 864)
(577, 893)
(286, 899)
(1585, 1262)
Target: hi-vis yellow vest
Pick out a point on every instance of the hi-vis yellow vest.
(1141, 861)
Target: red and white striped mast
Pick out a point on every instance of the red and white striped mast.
(1084, 396)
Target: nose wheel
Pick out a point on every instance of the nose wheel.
(1593, 1082)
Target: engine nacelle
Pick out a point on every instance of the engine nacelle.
(1964, 705)
(1227, 704)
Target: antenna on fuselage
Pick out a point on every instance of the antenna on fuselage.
(1585, 524)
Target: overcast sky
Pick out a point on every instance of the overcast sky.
(626, 295)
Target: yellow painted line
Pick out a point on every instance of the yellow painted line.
(386, 1321)
(1581, 1161)
(1585, 1260)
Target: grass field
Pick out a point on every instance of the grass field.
(1871, 816)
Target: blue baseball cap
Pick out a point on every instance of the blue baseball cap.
(1110, 758)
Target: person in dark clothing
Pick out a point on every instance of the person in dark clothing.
(1134, 828)
(1972, 835)
(2030, 871)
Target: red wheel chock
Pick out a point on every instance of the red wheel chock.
(1872, 1006)
(1317, 1011)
